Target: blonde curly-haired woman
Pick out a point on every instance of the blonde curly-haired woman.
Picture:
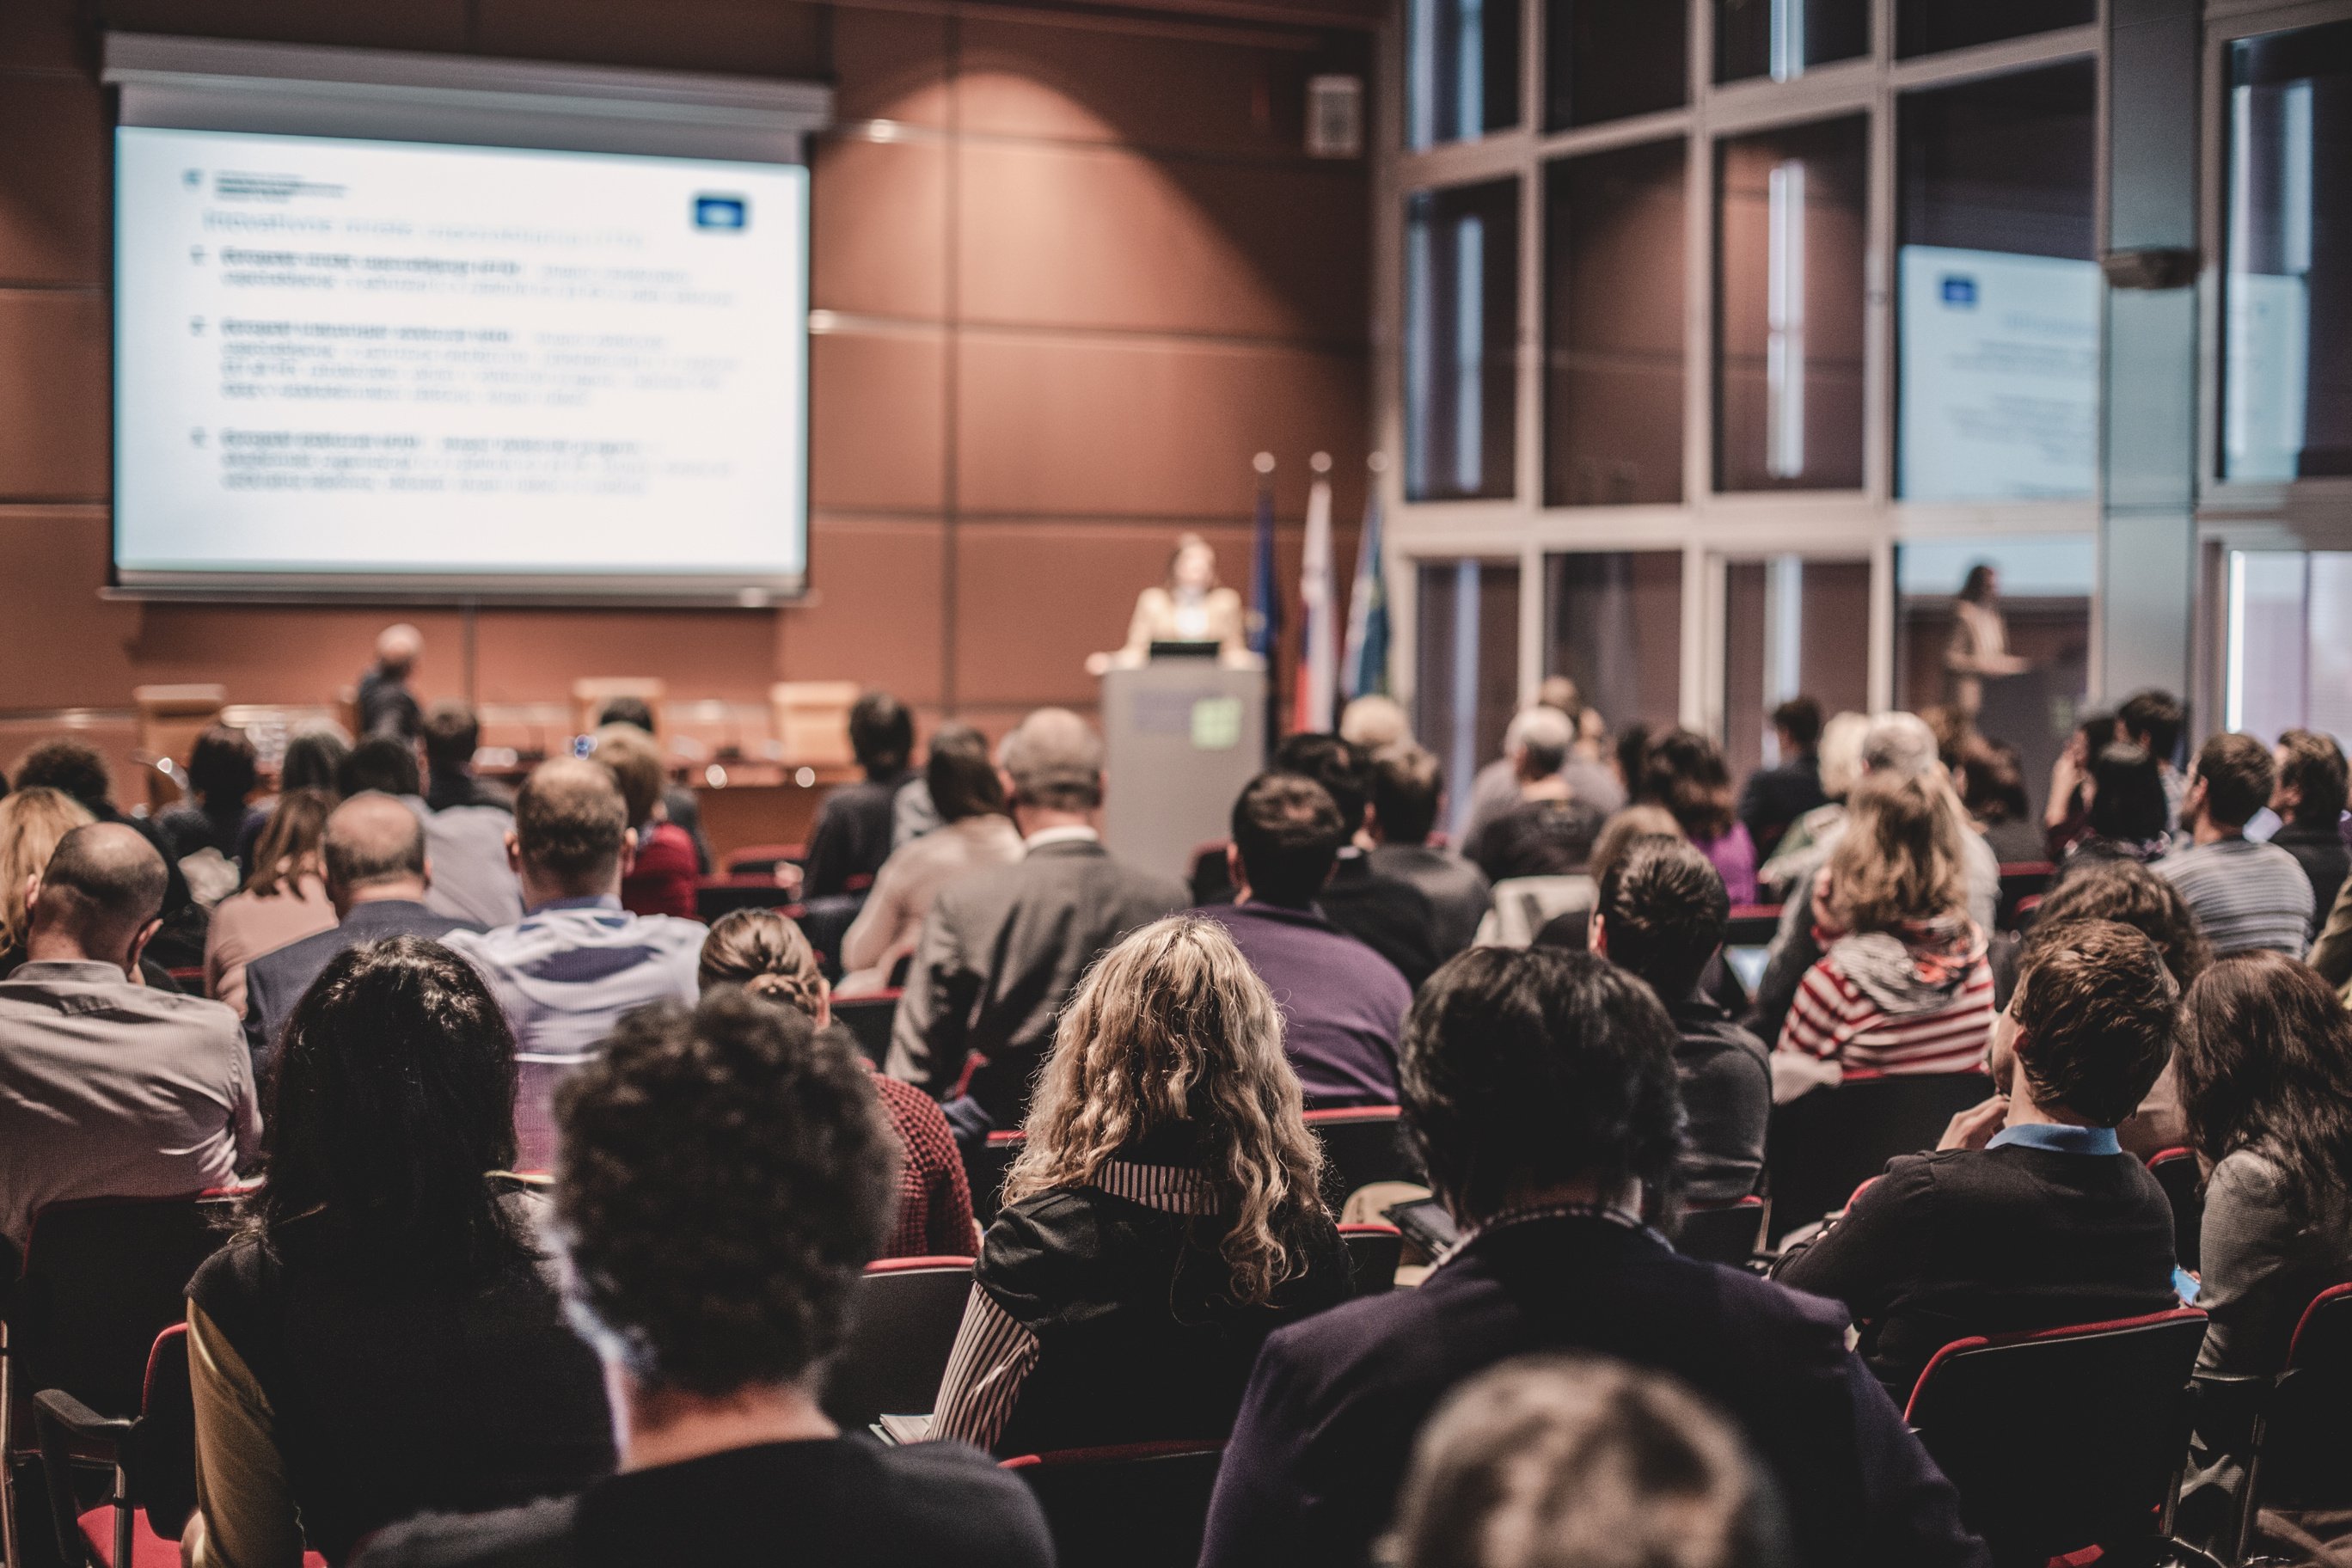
(1163, 1218)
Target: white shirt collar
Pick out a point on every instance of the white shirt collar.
(1077, 833)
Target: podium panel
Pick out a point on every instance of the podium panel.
(1181, 737)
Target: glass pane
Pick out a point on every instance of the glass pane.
(1613, 327)
(1614, 624)
(2286, 397)
(1784, 39)
(1789, 237)
(2290, 651)
(1461, 313)
(1924, 26)
(1462, 69)
(1604, 60)
(1996, 287)
(2041, 593)
(1792, 627)
(1467, 668)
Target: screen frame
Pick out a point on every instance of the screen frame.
(203, 84)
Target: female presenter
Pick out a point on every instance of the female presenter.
(1187, 607)
(1980, 645)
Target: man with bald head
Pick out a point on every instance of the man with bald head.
(1003, 948)
(378, 875)
(107, 1087)
(576, 961)
(386, 705)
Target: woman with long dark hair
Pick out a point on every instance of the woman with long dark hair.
(381, 1337)
(2126, 812)
(284, 898)
(1684, 771)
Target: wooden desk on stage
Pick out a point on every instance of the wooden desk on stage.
(762, 803)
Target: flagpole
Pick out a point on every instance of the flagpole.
(1265, 600)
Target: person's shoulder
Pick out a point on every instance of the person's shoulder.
(536, 1535)
(238, 1274)
(1034, 1253)
(949, 1502)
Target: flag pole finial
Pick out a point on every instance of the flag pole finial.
(1262, 462)
(1320, 462)
(1378, 462)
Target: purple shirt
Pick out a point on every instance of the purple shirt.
(1733, 859)
(1343, 1005)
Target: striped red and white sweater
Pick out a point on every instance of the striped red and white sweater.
(1881, 1003)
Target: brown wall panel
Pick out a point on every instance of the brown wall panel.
(53, 397)
(1105, 238)
(41, 34)
(536, 655)
(879, 214)
(1123, 428)
(874, 616)
(739, 37)
(876, 419)
(60, 646)
(52, 156)
(889, 65)
(1021, 78)
(403, 24)
(286, 654)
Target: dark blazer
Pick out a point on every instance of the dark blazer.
(2320, 851)
(276, 981)
(1989, 1241)
(1456, 889)
(1387, 914)
(1726, 1083)
(852, 837)
(1774, 798)
(1311, 1476)
(1001, 953)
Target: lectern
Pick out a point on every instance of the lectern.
(1182, 736)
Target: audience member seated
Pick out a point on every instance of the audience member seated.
(283, 901)
(2125, 811)
(768, 955)
(975, 830)
(1902, 985)
(1565, 1461)
(1798, 852)
(661, 878)
(2065, 807)
(852, 837)
(313, 760)
(1160, 1219)
(452, 735)
(2029, 1215)
(378, 875)
(1591, 777)
(1540, 1086)
(1003, 948)
(1386, 913)
(1375, 722)
(679, 801)
(1773, 798)
(1683, 771)
(471, 878)
(1661, 916)
(2153, 721)
(221, 773)
(1992, 787)
(1342, 1005)
(382, 1335)
(1408, 788)
(2309, 799)
(32, 821)
(1549, 832)
(2244, 895)
(386, 706)
(109, 1088)
(75, 768)
(725, 1179)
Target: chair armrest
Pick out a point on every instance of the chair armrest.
(2224, 1407)
(56, 1410)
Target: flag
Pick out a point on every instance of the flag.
(1364, 664)
(1266, 596)
(1319, 670)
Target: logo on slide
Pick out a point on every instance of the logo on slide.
(722, 212)
(1960, 292)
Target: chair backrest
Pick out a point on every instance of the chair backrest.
(1373, 1253)
(868, 1019)
(1211, 880)
(1525, 905)
(755, 860)
(2183, 1181)
(984, 1166)
(2064, 1439)
(1822, 1145)
(1362, 1144)
(103, 1277)
(2020, 880)
(1141, 1505)
(1752, 925)
(1723, 1233)
(901, 1331)
(159, 1465)
(2306, 1446)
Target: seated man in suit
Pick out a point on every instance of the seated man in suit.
(1385, 912)
(378, 875)
(1408, 786)
(1540, 1084)
(472, 880)
(1342, 1004)
(727, 1175)
(1003, 948)
(2029, 1215)
(452, 735)
(1549, 830)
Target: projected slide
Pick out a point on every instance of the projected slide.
(2000, 375)
(342, 359)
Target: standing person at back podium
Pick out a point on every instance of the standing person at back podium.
(1980, 645)
(386, 705)
(1189, 606)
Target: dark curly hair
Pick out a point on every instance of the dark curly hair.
(723, 1175)
(70, 766)
(2130, 894)
(1664, 912)
(390, 1101)
(1684, 771)
(2096, 1012)
(1523, 1069)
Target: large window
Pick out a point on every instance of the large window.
(1785, 38)
(1613, 327)
(1462, 70)
(1926, 26)
(1789, 308)
(2286, 352)
(2289, 642)
(1996, 287)
(1605, 59)
(1614, 624)
(1467, 668)
(1792, 627)
(1460, 376)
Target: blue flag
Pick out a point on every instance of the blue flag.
(1265, 594)
(1364, 664)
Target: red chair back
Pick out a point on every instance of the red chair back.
(2306, 1441)
(901, 1332)
(868, 1018)
(1723, 1233)
(761, 860)
(1822, 1145)
(1362, 1144)
(1373, 1253)
(1140, 1505)
(2183, 1181)
(2065, 1438)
